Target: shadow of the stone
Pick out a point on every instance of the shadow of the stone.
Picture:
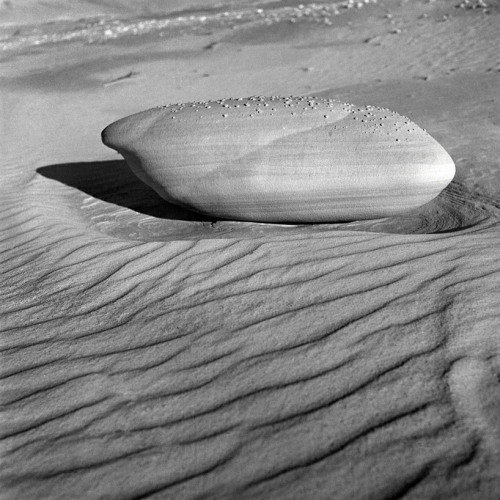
(113, 182)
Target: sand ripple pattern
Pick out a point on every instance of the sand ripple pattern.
(269, 367)
(146, 353)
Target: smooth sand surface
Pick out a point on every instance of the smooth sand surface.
(151, 352)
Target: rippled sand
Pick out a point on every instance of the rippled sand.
(151, 352)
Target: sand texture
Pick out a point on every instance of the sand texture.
(151, 352)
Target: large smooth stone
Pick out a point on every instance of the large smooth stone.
(271, 159)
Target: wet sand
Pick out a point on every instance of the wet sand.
(150, 351)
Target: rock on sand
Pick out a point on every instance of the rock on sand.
(296, 159)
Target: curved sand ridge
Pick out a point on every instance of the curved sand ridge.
(273, 159)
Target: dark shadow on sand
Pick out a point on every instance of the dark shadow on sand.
(114, 182)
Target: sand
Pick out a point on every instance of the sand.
(151, 352)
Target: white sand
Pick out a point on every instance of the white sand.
(150, 352)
